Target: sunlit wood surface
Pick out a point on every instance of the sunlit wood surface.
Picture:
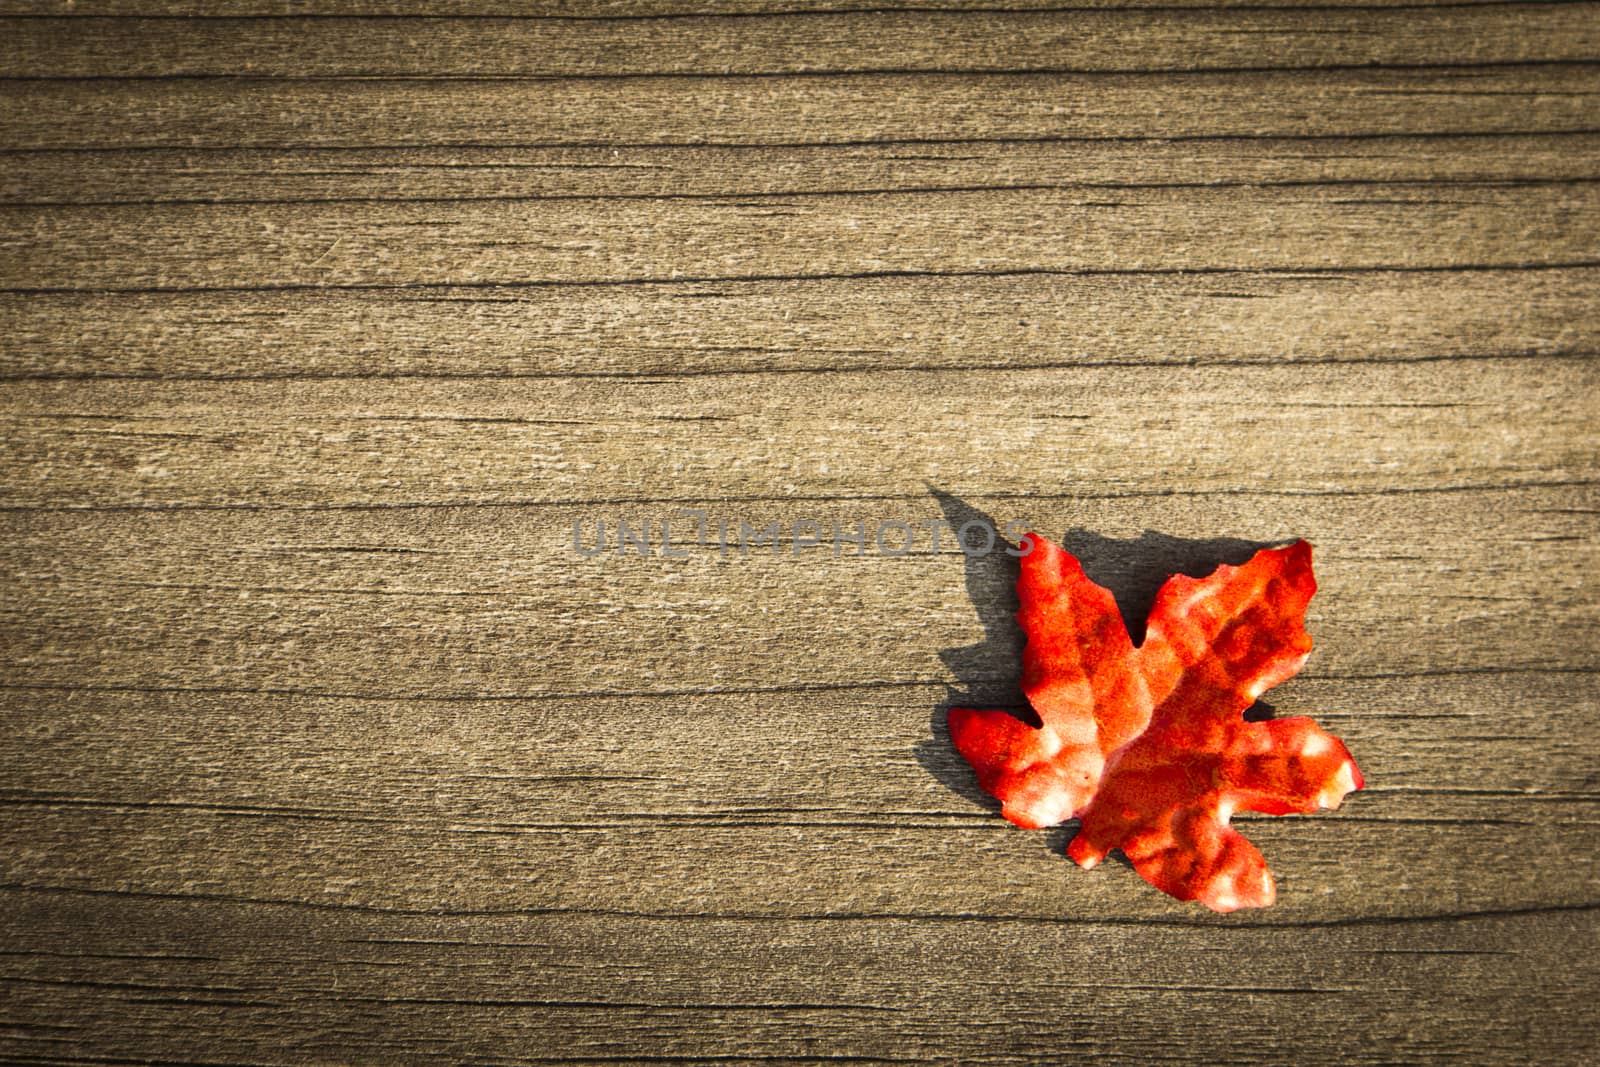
(320, 330)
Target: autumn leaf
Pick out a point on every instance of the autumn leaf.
(1148, 746)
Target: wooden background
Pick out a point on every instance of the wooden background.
(321, 745)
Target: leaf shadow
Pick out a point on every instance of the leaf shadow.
(988, 672)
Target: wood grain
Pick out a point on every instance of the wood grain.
(1405, 426)
(631, 10)
(845, 109)
(356, 175)
(845, 42)
(323, 744)
(1178, 231)
(598, 988)
(820, 325)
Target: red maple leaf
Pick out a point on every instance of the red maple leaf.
(1149, 746)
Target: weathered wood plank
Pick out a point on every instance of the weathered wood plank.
(218, 982)
(860, 325)
(848, 42)
(1331, 228)
(862, 756)
(787, 110)
(494, 603)
(1090, 431)
(760, 866)
(630, 10)
(355, 174)
(761, 804)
